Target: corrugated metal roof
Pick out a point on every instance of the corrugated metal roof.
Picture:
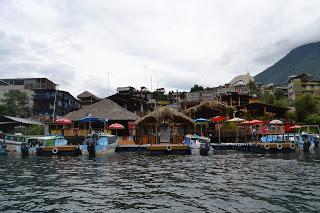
(24, 120)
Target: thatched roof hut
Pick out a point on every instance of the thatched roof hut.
(165, 114)
(164, 125)
(208, 109)
(105, 109)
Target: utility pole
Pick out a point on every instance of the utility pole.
(54, 104)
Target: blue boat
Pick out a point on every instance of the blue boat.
(3, 149)
(198, 144)
(99, 144)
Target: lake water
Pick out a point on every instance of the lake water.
(129, 182)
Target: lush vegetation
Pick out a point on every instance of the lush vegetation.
(196, 88)
(15, 103)
(304, 59)
(35, 130)
(306, 105)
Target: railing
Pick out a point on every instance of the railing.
(152, 139)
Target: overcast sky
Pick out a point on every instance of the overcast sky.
(176, 43)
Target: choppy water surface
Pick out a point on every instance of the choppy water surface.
(226, 182)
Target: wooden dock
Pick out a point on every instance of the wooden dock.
(259, 148)
(157, 149)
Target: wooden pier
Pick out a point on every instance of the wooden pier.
(259, 148)
(157, 149)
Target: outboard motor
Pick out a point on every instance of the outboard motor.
(24, 150)
(316, 142)
(92, 145)
(306, 145)
(205, 148)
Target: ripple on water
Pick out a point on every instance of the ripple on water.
(230, 182)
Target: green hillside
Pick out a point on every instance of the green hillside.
(304, 59)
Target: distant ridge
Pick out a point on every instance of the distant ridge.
(303, 59)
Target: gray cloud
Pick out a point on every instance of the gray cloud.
(177, 43)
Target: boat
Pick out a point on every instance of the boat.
(3, 148)
(278, 142)
(12, 141)
(52, 145)
(198, 144)
(99, 144)
(309, 139)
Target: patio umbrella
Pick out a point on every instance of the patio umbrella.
(201, 121)
(254, 122)
(246, 122)
(218, 119)
(63, 121)
(116, 126)
(276, 122)
(89, 119)
(236, 120)
(295, 127)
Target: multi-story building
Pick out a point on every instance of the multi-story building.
(303, 84)
(43, 95)
(50, 102)
(234, 93)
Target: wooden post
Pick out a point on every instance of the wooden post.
(173, 134)
(156, 133)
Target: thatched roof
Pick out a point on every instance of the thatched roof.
(208, 109)
(87, 94)
(165, 114)
(104, 109)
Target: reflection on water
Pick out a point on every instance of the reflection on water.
(224, 182)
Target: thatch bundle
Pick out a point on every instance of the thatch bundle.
(208, 109)
(165, 114)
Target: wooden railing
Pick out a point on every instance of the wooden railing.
(152, 139)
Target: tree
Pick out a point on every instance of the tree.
(16, 103)
(196, 88)
(305, 106)
(35, 130)
(253, 89)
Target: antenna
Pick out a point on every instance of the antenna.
(108, 85)
(151, 84)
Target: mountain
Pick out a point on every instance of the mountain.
(303, 59)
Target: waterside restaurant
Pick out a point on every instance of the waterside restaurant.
(164, 125)
(105, 112)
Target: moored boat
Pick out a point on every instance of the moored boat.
(11, 141)
(198, 144)
(3, 148)
(99, 144)
(53, 145)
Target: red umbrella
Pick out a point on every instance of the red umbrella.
(254, 122)
(246, 122)
(63, 121)
(116, 126)
(218, 119)
(295, 127)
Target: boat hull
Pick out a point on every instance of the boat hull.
(99, 149)
(58, 151)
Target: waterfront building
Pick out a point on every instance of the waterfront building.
(303, 84)
(164, 125)
(261, 110)
(272, 88)
(234, 93)
(44, 98)
(50, 102)
(86, 98)
(106, 111)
